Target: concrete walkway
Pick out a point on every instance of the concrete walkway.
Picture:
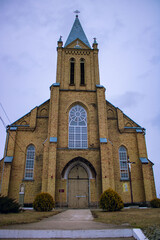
(73, 224)
(76, 219)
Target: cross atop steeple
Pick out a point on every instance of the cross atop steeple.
(76, 12)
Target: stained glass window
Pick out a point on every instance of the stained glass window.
(123, 163)
(30, 162)
(78, 127)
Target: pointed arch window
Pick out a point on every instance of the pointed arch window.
(124, 174)
(72, 69)
(82, 71)
(78, 127)
(30, 162)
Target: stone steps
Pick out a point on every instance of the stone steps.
(73, 234)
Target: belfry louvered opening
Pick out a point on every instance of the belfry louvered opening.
(72, 69)
(82, 70)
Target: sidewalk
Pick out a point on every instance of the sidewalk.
(68, 224)
(68, 220)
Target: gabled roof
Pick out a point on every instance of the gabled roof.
(16, 123)
(77, 32)
(136, 125)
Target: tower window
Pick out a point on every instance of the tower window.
(82, 71)
(30, 162)
(78, 127)
(72, 64)
(123, 163)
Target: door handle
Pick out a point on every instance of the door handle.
(79, 196)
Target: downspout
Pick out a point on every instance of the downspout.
(5, 154)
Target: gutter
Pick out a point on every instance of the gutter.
(138, 129)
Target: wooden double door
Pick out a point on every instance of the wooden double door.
(78, 187)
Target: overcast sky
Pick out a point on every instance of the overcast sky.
(128, 36)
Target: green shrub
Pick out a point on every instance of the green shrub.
(8, 205)
(155, 203)
(43, 202)
(110, 201)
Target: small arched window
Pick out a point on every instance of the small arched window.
(82, 71)
(123, 163)
(78, 127)
(30, 162)
(72, 67)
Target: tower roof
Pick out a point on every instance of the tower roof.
(77, 32)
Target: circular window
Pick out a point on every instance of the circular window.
(78, 114)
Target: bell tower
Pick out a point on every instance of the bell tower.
(77, 62)
(77, 124)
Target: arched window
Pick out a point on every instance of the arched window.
(30, 162)
(78, 127)
(123, 163)
(72, 64)
(82, 71)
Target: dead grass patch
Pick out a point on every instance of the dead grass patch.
(28, 216)
(146, 219)
(139, 218)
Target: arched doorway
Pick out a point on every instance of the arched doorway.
(78, 187)
(78, 173)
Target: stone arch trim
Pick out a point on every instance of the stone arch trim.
(31, 143)
(23, 122)
(77, 103)
(82, 162)
(72, 165)
(128, 124)
(43, 112)
(110, 113)
(123, 145)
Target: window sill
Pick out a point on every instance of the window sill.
(124, 180)
(27, 180)
(71, 84)
(82, 85)
(77, 148)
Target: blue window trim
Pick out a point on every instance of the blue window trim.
(103, 140)
(53, 139)
(144, 160)
(8, 159)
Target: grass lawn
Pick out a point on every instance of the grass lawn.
(146, 219)
(137, 218)
(27, 216)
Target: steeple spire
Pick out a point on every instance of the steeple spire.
(77, 32)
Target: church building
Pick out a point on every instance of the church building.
(77, 144)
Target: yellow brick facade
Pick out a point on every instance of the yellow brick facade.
(46, 128)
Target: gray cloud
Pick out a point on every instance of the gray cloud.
(155, 59)
(144, 75)
(128, 99)
(118, 25)
(18, 66)
(156, 121)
